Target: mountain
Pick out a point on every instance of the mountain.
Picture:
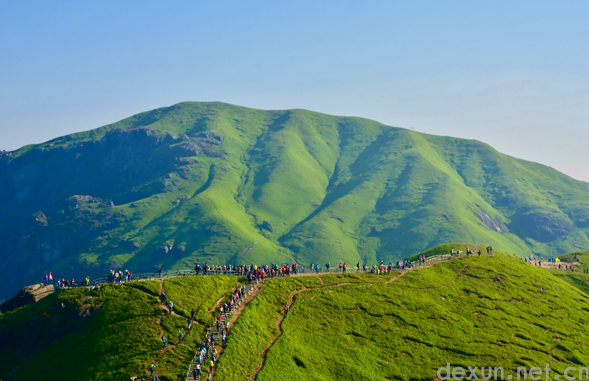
(217, 183)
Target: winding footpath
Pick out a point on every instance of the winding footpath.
(253, 289)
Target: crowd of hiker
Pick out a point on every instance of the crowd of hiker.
(556, 264)
(207, 354)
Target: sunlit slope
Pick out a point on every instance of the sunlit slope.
(472, 312)
(196, 181)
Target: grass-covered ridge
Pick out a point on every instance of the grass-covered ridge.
(491, 311)
(196, 181)
(112, 333)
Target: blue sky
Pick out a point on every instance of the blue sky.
(512, 74)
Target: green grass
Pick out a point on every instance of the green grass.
(116, 342)
(576, 256)
(254, 329)
(498, 312)
(363, 192)
(203, 293)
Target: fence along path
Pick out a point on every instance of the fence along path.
(233, 271)
(192, 373)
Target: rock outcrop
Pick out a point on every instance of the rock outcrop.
(26, 296)
(267, 225)
(163, 250)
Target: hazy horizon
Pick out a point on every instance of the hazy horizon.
(512, 75)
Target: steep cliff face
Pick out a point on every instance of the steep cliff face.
(205, 181)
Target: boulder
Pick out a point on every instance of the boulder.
(267, 225)
(26, 296)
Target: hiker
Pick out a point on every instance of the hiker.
(171, 305)
(358, 266)
(165, 341)
(479, 253)
(194, 373)
(159, 270)
(285, 309)
(152, 368)
(180, 337)
(223, 337)
(46, 279)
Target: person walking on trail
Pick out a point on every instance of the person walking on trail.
(159, 270)
(358, 266)
(152, 368)
(479, 253)
(171, 305)
(180, 336)
(165, 340)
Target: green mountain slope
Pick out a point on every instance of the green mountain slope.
(197, 181)
(113, 332)
(471, 312)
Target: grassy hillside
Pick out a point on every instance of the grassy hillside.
(491, 311)
(196, 181)
(112, 333)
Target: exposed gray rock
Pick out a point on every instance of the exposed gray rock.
(163, 250)
(184, 137)
(496, 225)
(267, 225)
(28, 295)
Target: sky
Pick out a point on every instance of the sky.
(511, 74)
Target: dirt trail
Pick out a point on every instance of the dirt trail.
(291, 299)
(293, 295)
(162, 318)
(235, 314)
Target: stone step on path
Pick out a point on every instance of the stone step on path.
(212, 329)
